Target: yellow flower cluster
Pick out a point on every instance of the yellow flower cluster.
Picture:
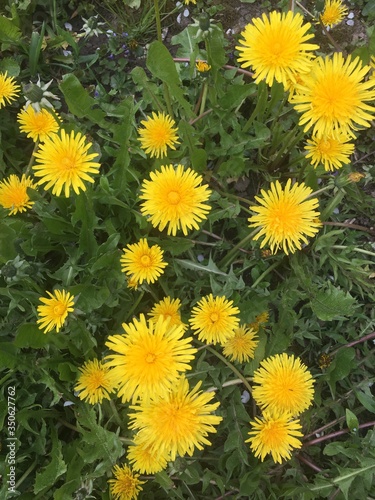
(283, 390)
(331, 93)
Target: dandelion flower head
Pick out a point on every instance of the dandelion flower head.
(64, 163)
(158, 134)
(242, 345)
(332, 151)
(38, 125)
(142, 263)
(284, 384)
(334, 96)
(275, 433)
(285, 216)
(149, 358)
(174, 197)
(9, 90)
(355, 176)
(95, 382)
(334, 12)
(126, 485)
(202, 66)
(167, 308)
(13, 193)
(145, 460)
(54, 310)
(215, 319)
(177, 422)
(275, 47)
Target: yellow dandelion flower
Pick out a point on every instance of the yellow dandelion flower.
(275, 47)
(285, 216)
(214, 319)
(330, 150)
(285, 384)
(37, 124)
(132, 283)
(175, 198)
(149, 358)
(55, 310)
(95, 382)
(187, 2)
(142, 263)
(334, 12)
(13, 193)
(126, 486)
(324, 361)
(262, 317)
(241, 347)
(177, 422)
(157, 134)
(202, 66)
(9, 90)
(333, 96)
(64, 163)
(145, 460)
(275, 433)
(168, 308)
(355, 176)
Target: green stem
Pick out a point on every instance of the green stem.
(236, 381)
(204, 98)
(115, 414)
(31, 162)
(25, 474)
(355, 249)
(135, 305)
(167, 96)
(262, 97)
(233, 252)
(292, 140)
(232, 367)
(332, 205)
(158, 21)
(267, 271)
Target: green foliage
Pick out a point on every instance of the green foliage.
(239, 136)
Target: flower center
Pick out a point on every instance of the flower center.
(173, 197)
(68, 163)
(150, 358)
(59, 310)
(325, 146)
(214, 317)
(145, 260)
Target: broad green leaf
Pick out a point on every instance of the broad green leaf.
(55, 469)
(8, 355)
(160, 63)
(333, 303)
(342, 364)
(29, 335)
(351, 420)
(10, 66)
(196, 266)
(9, 32)
(79, 102)
(366, 399)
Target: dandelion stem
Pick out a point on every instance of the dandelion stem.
(232, 367)
(231, 255)
(31, 162)
(267, 271)
(236, 381)
(204, 98)
(336, 434)
(355, 249)
(167, 96)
